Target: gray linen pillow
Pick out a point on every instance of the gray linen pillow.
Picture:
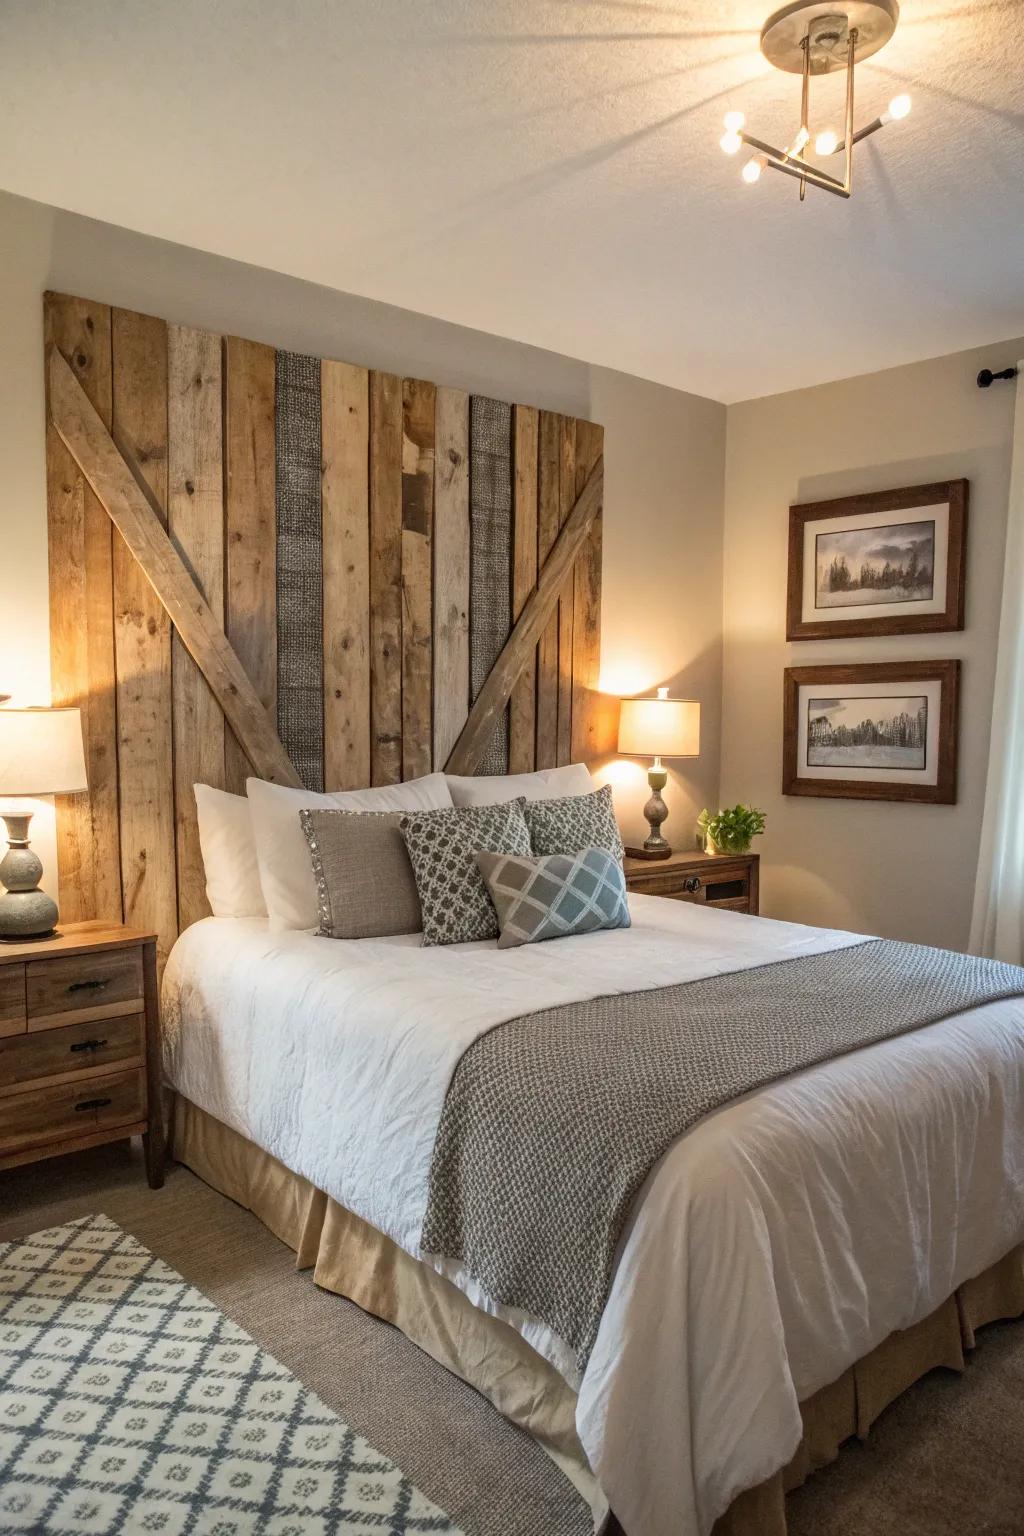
(364, 881)
(556, 895)
(442, 850)
(574, 823)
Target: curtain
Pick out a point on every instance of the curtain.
(997, 923)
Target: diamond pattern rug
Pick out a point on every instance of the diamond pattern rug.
(129, 1402)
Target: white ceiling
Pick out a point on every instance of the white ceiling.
(547, 170)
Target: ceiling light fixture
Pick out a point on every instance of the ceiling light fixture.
(810, 38)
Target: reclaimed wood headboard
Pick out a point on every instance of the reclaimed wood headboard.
(266, 562)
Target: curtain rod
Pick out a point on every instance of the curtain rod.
(987, 377)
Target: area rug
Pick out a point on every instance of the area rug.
(129, 1402)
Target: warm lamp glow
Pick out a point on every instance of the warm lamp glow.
(41, 752)
(660, 727)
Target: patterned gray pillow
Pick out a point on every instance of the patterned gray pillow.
(575, 823)
(559, 894)
(442, 850)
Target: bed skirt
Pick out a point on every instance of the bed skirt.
(353, 1259)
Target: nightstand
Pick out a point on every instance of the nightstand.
(726, 880)
(80, 1045)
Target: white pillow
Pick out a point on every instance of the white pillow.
(228, 847)
(545, 784)
(286, 870)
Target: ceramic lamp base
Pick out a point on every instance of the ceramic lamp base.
(655, 811)
(26, 912)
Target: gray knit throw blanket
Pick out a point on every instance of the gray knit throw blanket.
(553, 1120)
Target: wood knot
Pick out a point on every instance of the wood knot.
(81, 359)
(190, 487)
(455, 457)
(151, 625)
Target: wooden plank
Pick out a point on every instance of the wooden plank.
(523, 704)
(594, 714)
(518, 649)
(566, 500)
(344, 496)
(418, 430)
(195, 515)
(250, 571)
(82, 626)
(548, 522)
(385, 578)
(142, 641)
(300, 565)
(114, 482)
(451, 571)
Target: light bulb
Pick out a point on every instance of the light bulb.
(899, 107)
(752, 170)
(827, 142)
(730, 142)
(734, 121)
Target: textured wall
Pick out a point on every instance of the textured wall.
(660, 609)
(901, 870)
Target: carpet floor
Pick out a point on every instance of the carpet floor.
(947, 1459)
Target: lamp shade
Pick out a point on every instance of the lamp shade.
(41, 752)
(660, 727)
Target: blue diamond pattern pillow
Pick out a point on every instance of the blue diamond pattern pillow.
(554, 896)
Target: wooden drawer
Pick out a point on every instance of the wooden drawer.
(714, 883)
(76, 988)
(12, 1000)
(72, 1052)
(68, 1111)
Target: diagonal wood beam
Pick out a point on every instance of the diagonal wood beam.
(520, 647)
(124, 496)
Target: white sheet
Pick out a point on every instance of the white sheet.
(777, 1242)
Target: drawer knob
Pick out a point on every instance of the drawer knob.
(92, 985)
(87, 1045)
(691, 884)
(93, 1104)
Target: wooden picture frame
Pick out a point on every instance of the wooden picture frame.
(913, 703)
(816, 610)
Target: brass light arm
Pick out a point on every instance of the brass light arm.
(862, 133)
(851, 59)
(805, 100)
(779, 160)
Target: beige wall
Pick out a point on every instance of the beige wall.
(900, 870)
(664, 450)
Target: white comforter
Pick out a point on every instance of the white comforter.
(776, 1243)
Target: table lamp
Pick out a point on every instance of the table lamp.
(40, 754)
(658, 728)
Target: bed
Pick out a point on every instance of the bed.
(795, 1259)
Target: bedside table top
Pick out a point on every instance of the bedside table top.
(683, 858)
(76, 939)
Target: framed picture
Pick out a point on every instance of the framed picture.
(886, 563)
(872, 731)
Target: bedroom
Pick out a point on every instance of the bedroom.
(329, 471)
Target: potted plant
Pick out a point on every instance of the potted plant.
(730, 831)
